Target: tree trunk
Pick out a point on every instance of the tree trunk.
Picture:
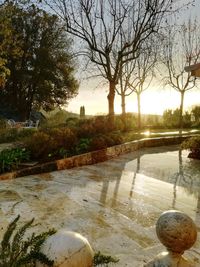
(111, 98)
(123, 116)
(123, 104)
(181, 111)
(139, 111)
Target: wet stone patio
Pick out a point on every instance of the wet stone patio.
(115, 204)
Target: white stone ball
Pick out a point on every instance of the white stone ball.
(68, 249)
(176, 231)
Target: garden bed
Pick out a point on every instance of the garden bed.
(94, 156)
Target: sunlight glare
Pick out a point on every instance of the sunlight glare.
(147, 133)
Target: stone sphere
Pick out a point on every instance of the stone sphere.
(68, 249)
(176, 231)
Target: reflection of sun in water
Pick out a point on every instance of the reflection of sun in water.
(147, 133)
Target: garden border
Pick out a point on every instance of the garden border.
(94, 156)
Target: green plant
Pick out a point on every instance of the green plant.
(83, 145)
(103, 260)
(11, 158)
(15, 251)
(193, 144)
(63, 152)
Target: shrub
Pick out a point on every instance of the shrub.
(8, 135)
(63, 138)
(11, 158)
(14, 134)
(17, 252)
(102, 141)
(116, 137)
(193, 144)
(40, 145)
(98, 142)
(24, 133)
(72, 122)
(51, 143)
(86, 129)
(83, 146)
(101, 125)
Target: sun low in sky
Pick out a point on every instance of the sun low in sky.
(153, 101)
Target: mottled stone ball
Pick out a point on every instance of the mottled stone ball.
(176, 231)
(68, 249)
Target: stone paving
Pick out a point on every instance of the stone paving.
(115, 204)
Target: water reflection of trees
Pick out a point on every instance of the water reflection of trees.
(188, 177)
(109, 177)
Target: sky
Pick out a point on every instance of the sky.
(93, 95)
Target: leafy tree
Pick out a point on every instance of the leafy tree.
(7, 45)
(41, 74)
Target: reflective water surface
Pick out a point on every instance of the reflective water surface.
(115, 204)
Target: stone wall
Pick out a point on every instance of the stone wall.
(94, 156)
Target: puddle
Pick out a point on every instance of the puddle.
(115, 204)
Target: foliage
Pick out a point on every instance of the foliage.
(193, 144)
(72, 122)
(85, 128)
(14, 134)
(83, 145)
(39, 145)
(171, 118)
(51, 143)
(196, 113)
(103, 260)
(11, 158)
(60, 118)
(63, 137)
(41, 73)
(102, 141)
(15, 251)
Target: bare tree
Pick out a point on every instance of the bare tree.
(181, 49)
(112, 31)
(138, 74)
(123, 89)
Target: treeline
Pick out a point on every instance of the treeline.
(171, 118)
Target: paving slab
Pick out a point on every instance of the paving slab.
(115, 204)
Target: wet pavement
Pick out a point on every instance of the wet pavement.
(115, 204)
